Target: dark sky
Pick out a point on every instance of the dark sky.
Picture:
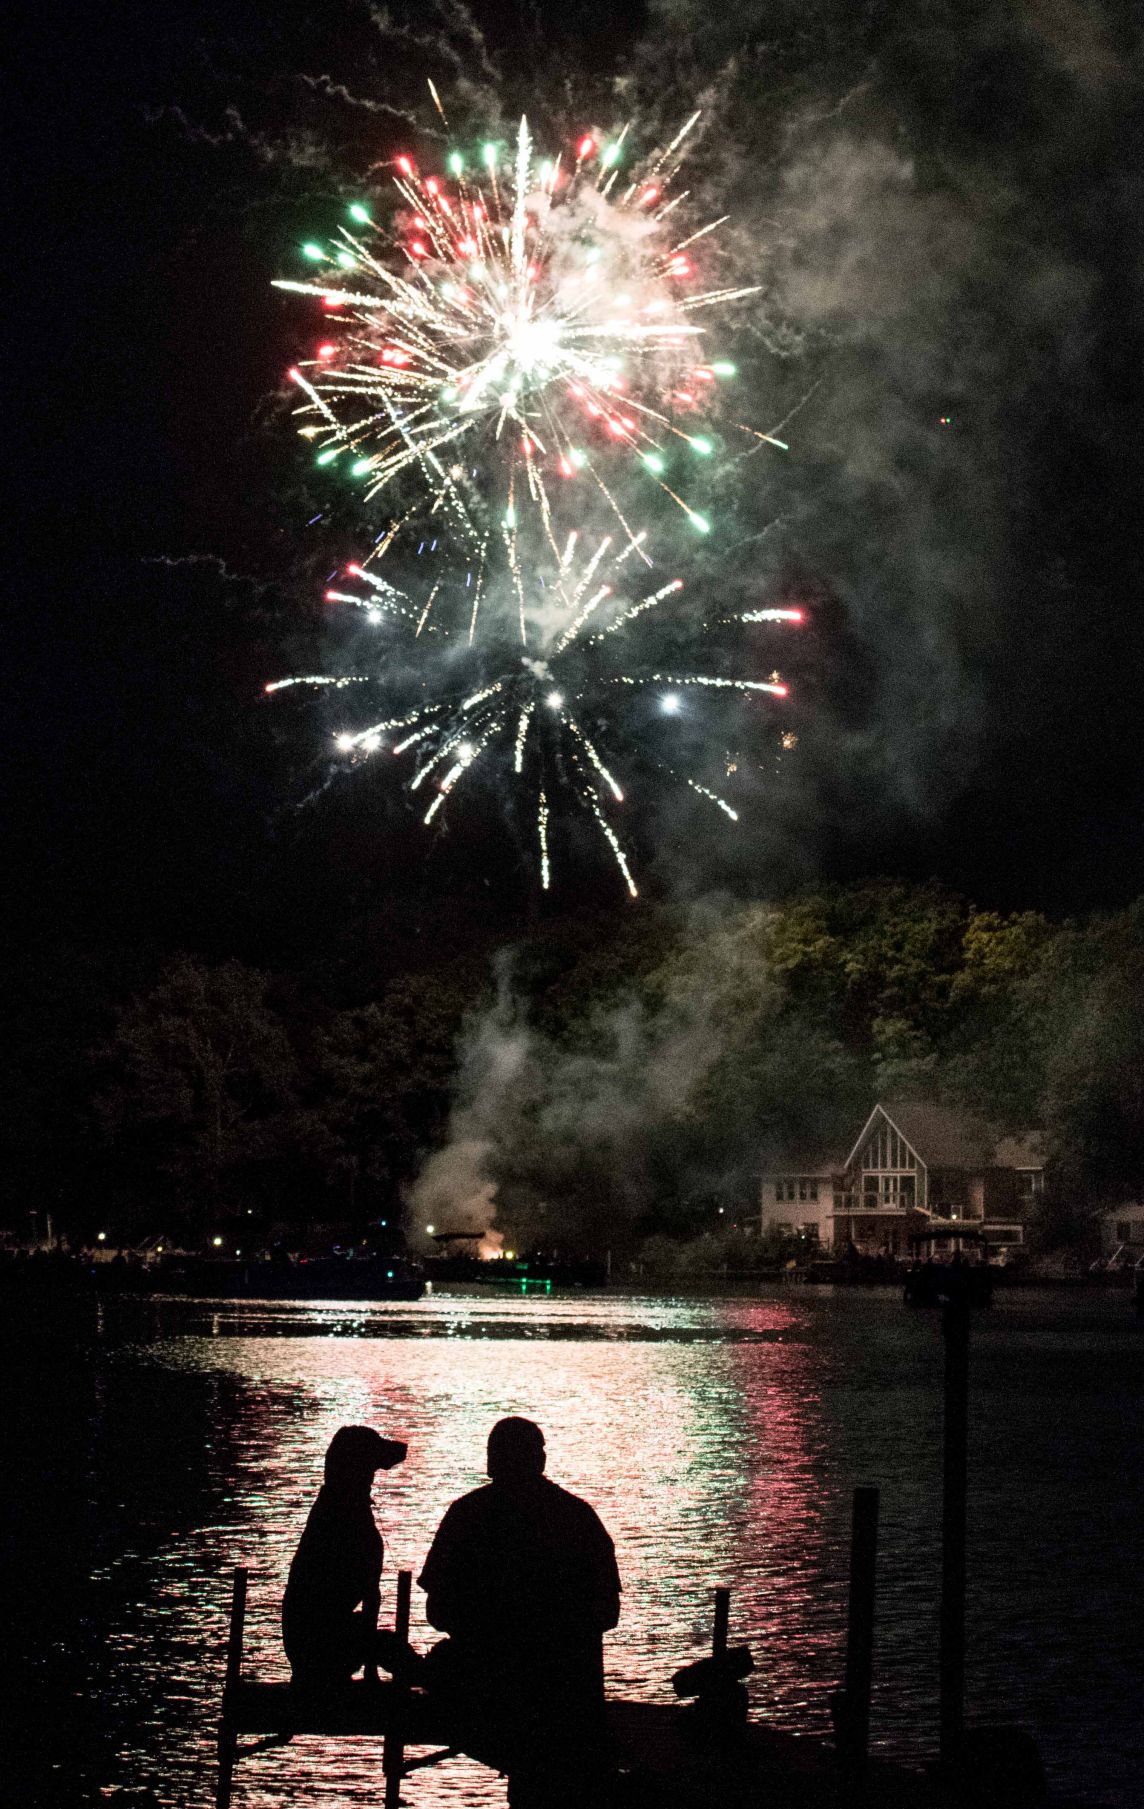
(959, 196)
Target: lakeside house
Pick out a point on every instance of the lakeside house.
(913, 1168)
(1122, 1228)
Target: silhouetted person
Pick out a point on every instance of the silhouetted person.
(329, 1611)
(522, 1576)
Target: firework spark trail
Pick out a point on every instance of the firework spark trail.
(511, 314)
(530, 708)
(522, 340)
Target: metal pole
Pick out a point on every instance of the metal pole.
(393, 1757)
(955, 1329)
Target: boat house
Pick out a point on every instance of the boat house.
(914, 1169)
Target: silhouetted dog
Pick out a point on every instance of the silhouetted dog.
(329, 1611)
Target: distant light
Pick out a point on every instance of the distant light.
(217, 1242)
(313, 252)
(158, 1249)
(456, 163)
(670, 705)
(359, 213)
(429, 1230)
(555, 700)
(101, 1237)
(327, 350)
(345, 742)
(389, 1275)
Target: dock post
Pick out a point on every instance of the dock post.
(951, 1727)
(227, 1737)
(721, 1623)
(393, 1752)
(860, 1625)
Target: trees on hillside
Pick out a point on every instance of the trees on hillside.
(657, 1068)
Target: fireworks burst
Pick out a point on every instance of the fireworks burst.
(517, 325)
(537, 716)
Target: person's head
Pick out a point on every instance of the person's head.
(356, 1453)
(516, 1451)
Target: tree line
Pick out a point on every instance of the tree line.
(656, 1063)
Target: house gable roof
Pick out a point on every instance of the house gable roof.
(817, 1167)
(943, 1138)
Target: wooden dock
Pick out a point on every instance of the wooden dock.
(653, 1746)
(670, 1755)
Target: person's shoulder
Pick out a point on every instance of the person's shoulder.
(466, 1508)
(573, 1509)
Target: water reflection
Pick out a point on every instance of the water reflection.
(719, 1440)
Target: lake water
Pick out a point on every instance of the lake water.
(719, 1439)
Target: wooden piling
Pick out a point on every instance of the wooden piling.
(393, 1754)
(721, 1623)
(227, 1734)
(955, 1442)
(860, 1625)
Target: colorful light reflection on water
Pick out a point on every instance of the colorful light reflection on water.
(719, 1440)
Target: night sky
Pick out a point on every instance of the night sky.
(949, 208)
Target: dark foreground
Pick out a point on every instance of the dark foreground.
(152, 1447)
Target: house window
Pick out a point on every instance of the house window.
(807, 1188)
(1030, 1183)
(784, 1188)
(889, 1170)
